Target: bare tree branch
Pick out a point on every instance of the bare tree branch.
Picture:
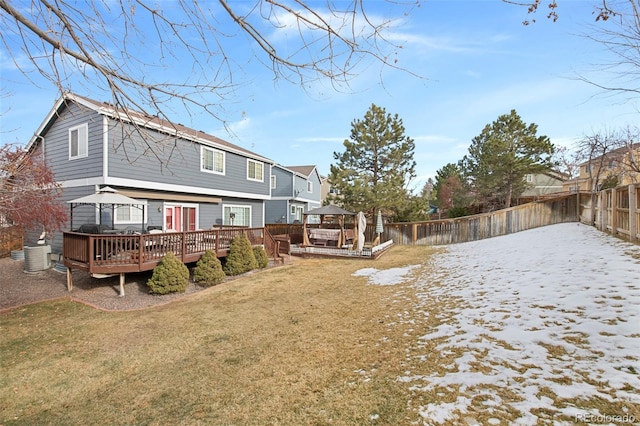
(116, 46)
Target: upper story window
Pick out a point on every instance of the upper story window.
(273, 181)
(529, 178)
(255, 170)
(309, 186)
(211, 160)
(79, 141)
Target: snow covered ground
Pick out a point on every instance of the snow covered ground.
(544, 324)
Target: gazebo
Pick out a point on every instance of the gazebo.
(107, 196)
(329, 210)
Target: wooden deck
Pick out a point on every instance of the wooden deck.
(123, 253)
(337, 252)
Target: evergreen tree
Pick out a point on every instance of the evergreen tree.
(241, 258)
(449, 188)
(500, 158)
(376, 166)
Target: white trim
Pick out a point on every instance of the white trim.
(250, 160)
(144, 210)
(297, 199)
(109, 111)
(105, 147)
(172, 205)
(132, 183)
(214, 151)
(240, 206)
(83, 141)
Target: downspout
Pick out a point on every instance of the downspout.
(43, 144)
(105, 149)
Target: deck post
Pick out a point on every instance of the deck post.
(69, 279)
(121, 284)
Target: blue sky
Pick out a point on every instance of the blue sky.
(476, 59)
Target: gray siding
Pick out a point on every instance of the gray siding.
(257, 210)
(175, 161)
(83, 214)
(275, 210)
(300, 187)
(284, 183)
(57, 144)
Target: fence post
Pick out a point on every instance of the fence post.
(633, 232)
(614, 211)
(602, 201)
(415, 233)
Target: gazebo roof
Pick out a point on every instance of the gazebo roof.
(329, 210)
(107, 195)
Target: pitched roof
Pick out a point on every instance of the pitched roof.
(142, 120)
(303, 170)
(614, 153)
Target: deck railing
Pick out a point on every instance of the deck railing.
(116, 253)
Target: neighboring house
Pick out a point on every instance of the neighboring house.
(622, 163)
(540, 184)
(294, 191)
(327, 190)
(189, 180)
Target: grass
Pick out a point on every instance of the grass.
(301, 344)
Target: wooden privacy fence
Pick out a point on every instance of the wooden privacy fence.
(616, 211)
(486, 225)
(11, 238)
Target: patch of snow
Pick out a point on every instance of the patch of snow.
(392, 276)
(550, 311)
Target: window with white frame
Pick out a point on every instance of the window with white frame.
(237, 215)
(309, 186)
(255, 170)
(293, 209)
(130, 214)
(79, 141)
(211, 160)
(273, 181)
(529, 178)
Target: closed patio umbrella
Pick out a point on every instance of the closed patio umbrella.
(362, 224)
(379, 228)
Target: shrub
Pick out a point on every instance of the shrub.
(261, 256)
(241, 258)
(208, 270)
(170, 276)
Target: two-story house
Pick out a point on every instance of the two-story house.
(188, 179)
(621, 166)
(541, 184)
(294, 191)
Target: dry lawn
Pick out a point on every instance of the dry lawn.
(306, 343)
